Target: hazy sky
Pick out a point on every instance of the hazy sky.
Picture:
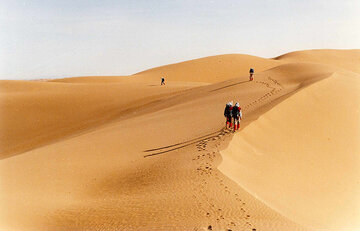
(58, 38)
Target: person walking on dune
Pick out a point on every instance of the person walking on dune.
(251, 74)
(162, 81)
(237, 115)
(227, 114)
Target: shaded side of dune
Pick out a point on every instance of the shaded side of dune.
(304, 152)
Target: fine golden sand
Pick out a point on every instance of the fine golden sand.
(124, 153)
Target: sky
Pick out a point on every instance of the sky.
(53, 39)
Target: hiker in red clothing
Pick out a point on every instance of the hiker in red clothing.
(237, 115)
(251, 74)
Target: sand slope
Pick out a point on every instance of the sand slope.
(154, 166)
(36, 113)
(301, 157)
(92, 79)
(61, 109)
(347, 59)
(210, 69)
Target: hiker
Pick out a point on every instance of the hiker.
(227, 114)
(163, 81)
(251, 74)
(237, 115)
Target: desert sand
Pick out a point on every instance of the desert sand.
(124, 153)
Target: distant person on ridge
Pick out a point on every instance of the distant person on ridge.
(227, 114)
(237, 115)
(163, 81)
(251, 74)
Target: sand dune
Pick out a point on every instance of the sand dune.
(311, 157)
(36, 113)
(203, 70)
(92, 79)
(347, 59)
(210, 69)
(127, 154)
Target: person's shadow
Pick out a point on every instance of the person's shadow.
(165, 149)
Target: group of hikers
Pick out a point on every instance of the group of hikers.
(233, 114)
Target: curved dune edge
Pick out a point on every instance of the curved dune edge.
(210, 69)
(346, 59)
(218, 68)
(309, 177)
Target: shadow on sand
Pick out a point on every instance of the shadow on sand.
(185, 143)
(229, 86)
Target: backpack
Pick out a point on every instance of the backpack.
(227, 111)
(251, 70)
(235, 112)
